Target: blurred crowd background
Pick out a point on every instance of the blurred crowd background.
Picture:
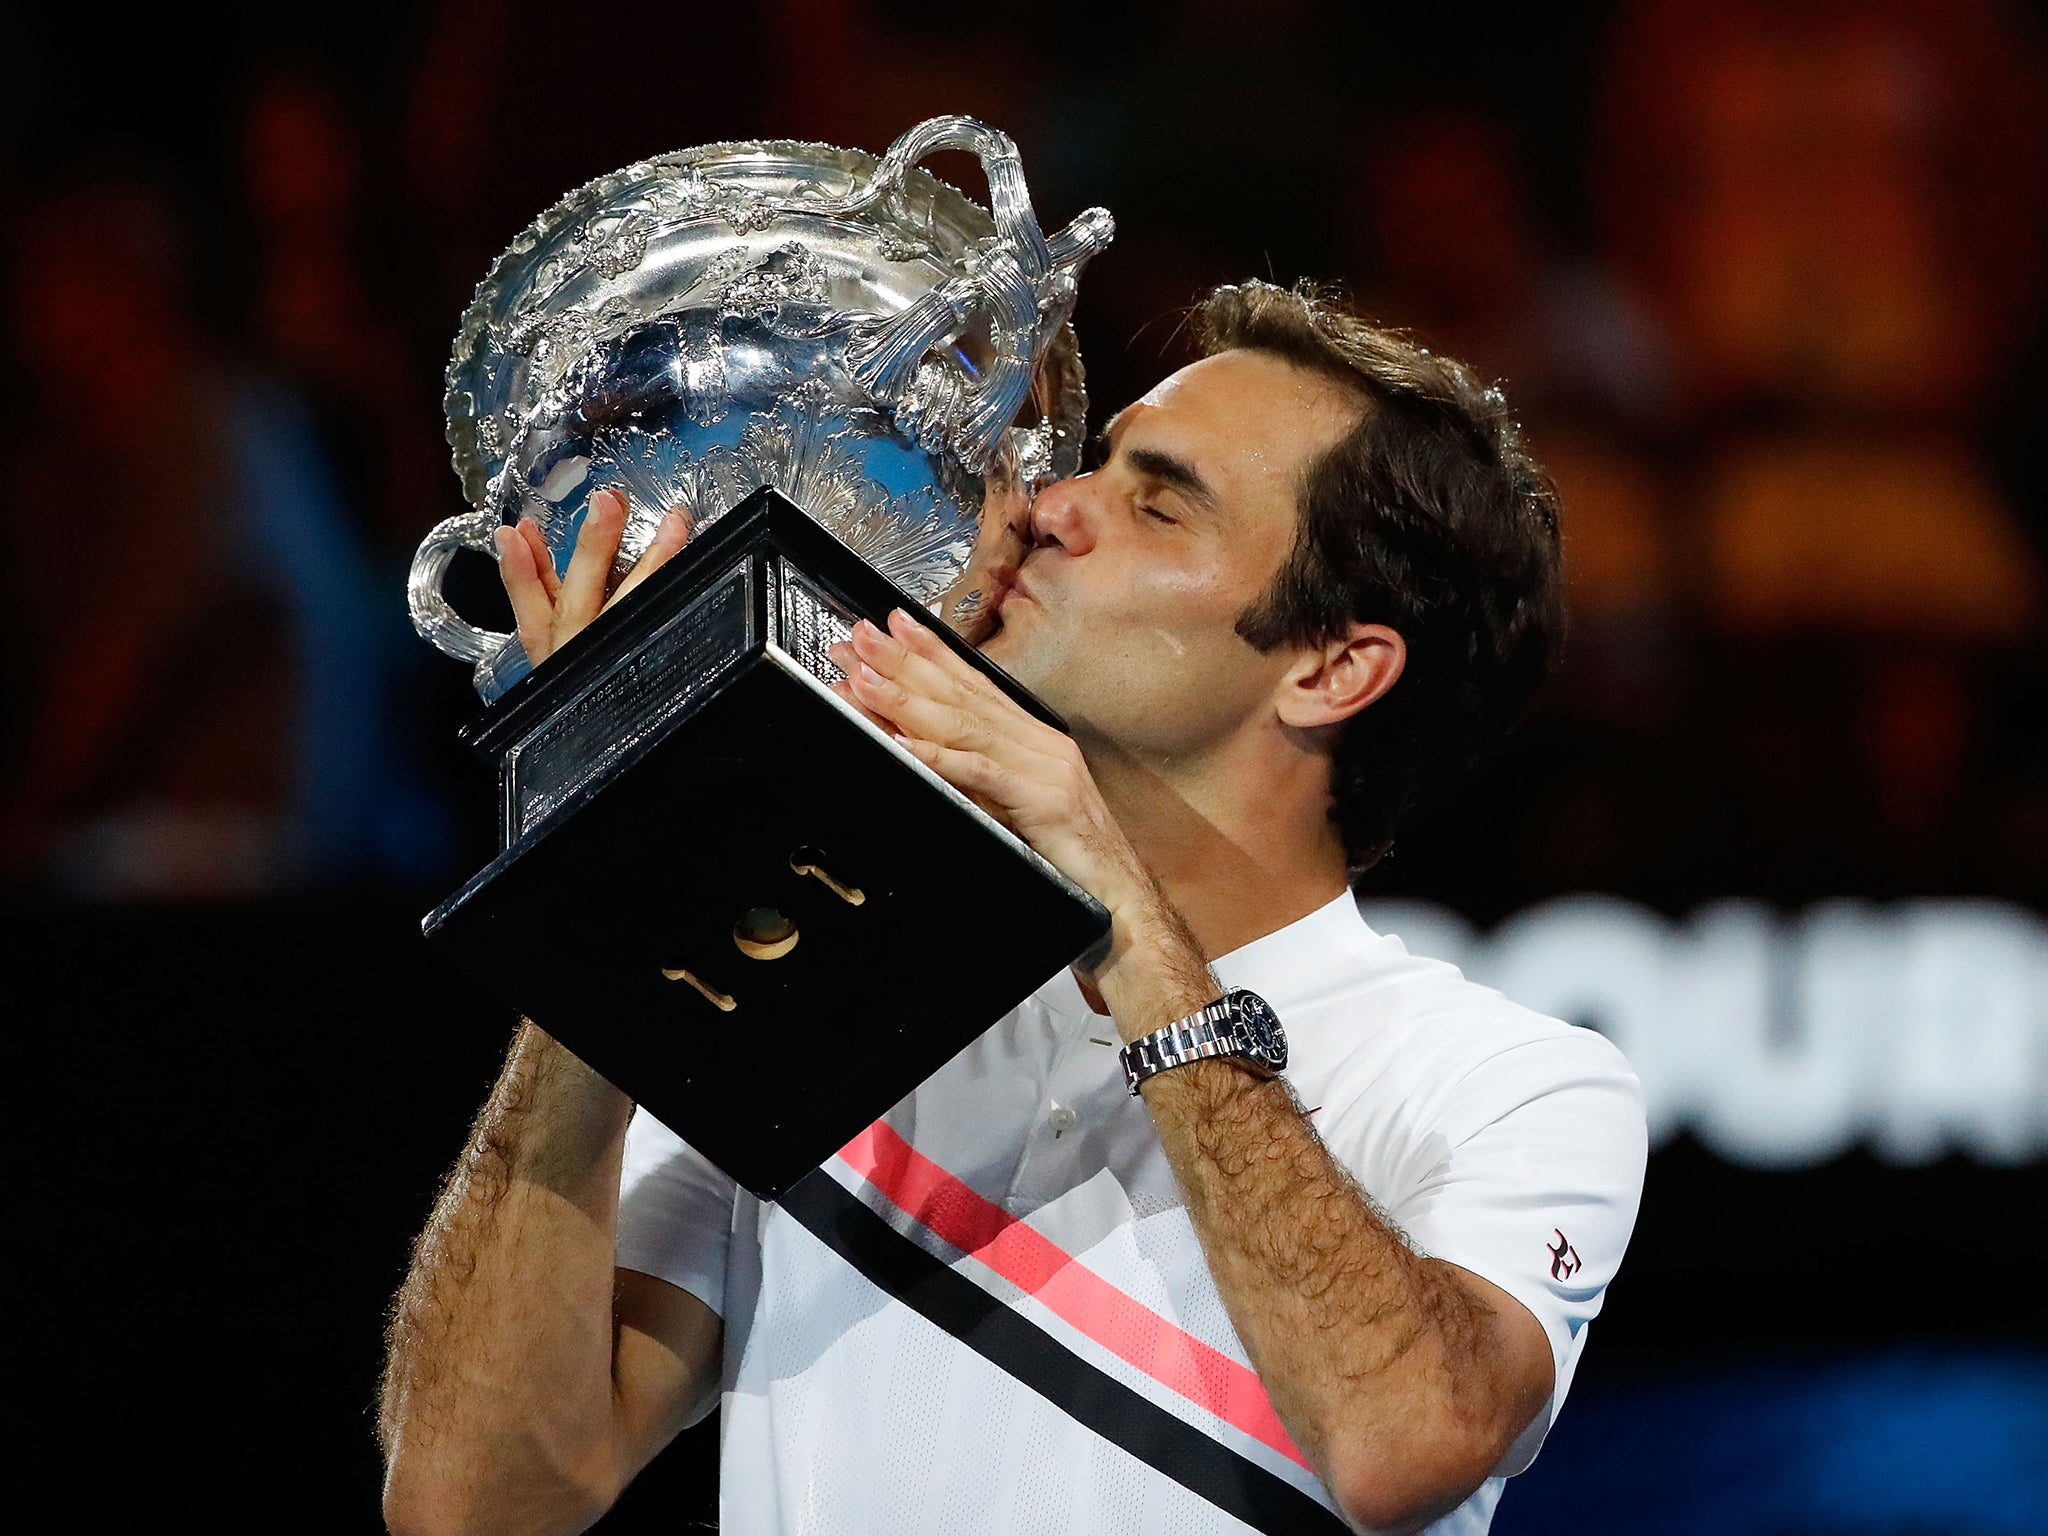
(1766, 283)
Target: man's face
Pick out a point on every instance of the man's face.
(1123, 613)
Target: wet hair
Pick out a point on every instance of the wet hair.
(1430, 517)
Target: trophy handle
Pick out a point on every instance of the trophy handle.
(432, 614)
(500, 659)
(1023, 281)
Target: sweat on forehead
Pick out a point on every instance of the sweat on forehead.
(1312, 387)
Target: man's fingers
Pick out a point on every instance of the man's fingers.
(597, 545)
(926, 650)
(531, 609)
(964, 731)
(845, 691)
(670, 535)
(990, 785)
(549, 608)
(918, 715)
(543, 557)
(911, 656)
(897, 661)
(842, 656)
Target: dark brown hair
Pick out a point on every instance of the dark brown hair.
(1429, 517)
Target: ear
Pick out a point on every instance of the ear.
(1329, 684)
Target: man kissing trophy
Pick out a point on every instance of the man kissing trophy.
(973, 1175)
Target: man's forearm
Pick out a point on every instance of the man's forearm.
(497, 1404)
(1377, 1360)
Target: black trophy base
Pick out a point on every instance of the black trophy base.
(758, 916)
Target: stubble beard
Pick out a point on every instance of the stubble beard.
(1013, 649)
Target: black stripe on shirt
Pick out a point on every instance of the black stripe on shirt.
(1014, 1344)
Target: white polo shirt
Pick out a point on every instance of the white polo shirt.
(990, 1312)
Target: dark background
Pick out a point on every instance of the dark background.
(1766, 286)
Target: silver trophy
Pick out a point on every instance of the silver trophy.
(826, 359)
(852, 332)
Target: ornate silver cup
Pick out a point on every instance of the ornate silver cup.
(722, 885)
(850, 331)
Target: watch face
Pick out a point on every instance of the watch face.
(1261, 1026)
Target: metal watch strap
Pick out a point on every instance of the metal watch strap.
(1205, 1033)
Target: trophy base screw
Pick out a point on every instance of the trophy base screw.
(807, 861)
(722, 1001)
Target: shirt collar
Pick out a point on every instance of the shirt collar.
(1296, 964)
(1288, 967)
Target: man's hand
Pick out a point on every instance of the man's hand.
(1033, 779)
(1029, 776)
(550, 608)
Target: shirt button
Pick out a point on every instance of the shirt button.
(1061, 1119)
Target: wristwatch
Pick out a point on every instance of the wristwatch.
(1239, 1026)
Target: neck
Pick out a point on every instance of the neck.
(1239, 840)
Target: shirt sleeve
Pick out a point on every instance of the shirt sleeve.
(1538, 1190)
(675, 1212)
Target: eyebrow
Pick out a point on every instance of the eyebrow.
(1170, 470)
(1174, 473)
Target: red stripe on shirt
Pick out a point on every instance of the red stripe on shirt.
(1024, 1256)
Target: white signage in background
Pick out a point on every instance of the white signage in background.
(1917, 1028)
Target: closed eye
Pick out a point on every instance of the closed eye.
(1156, 515)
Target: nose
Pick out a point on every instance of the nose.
(1061, 517)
